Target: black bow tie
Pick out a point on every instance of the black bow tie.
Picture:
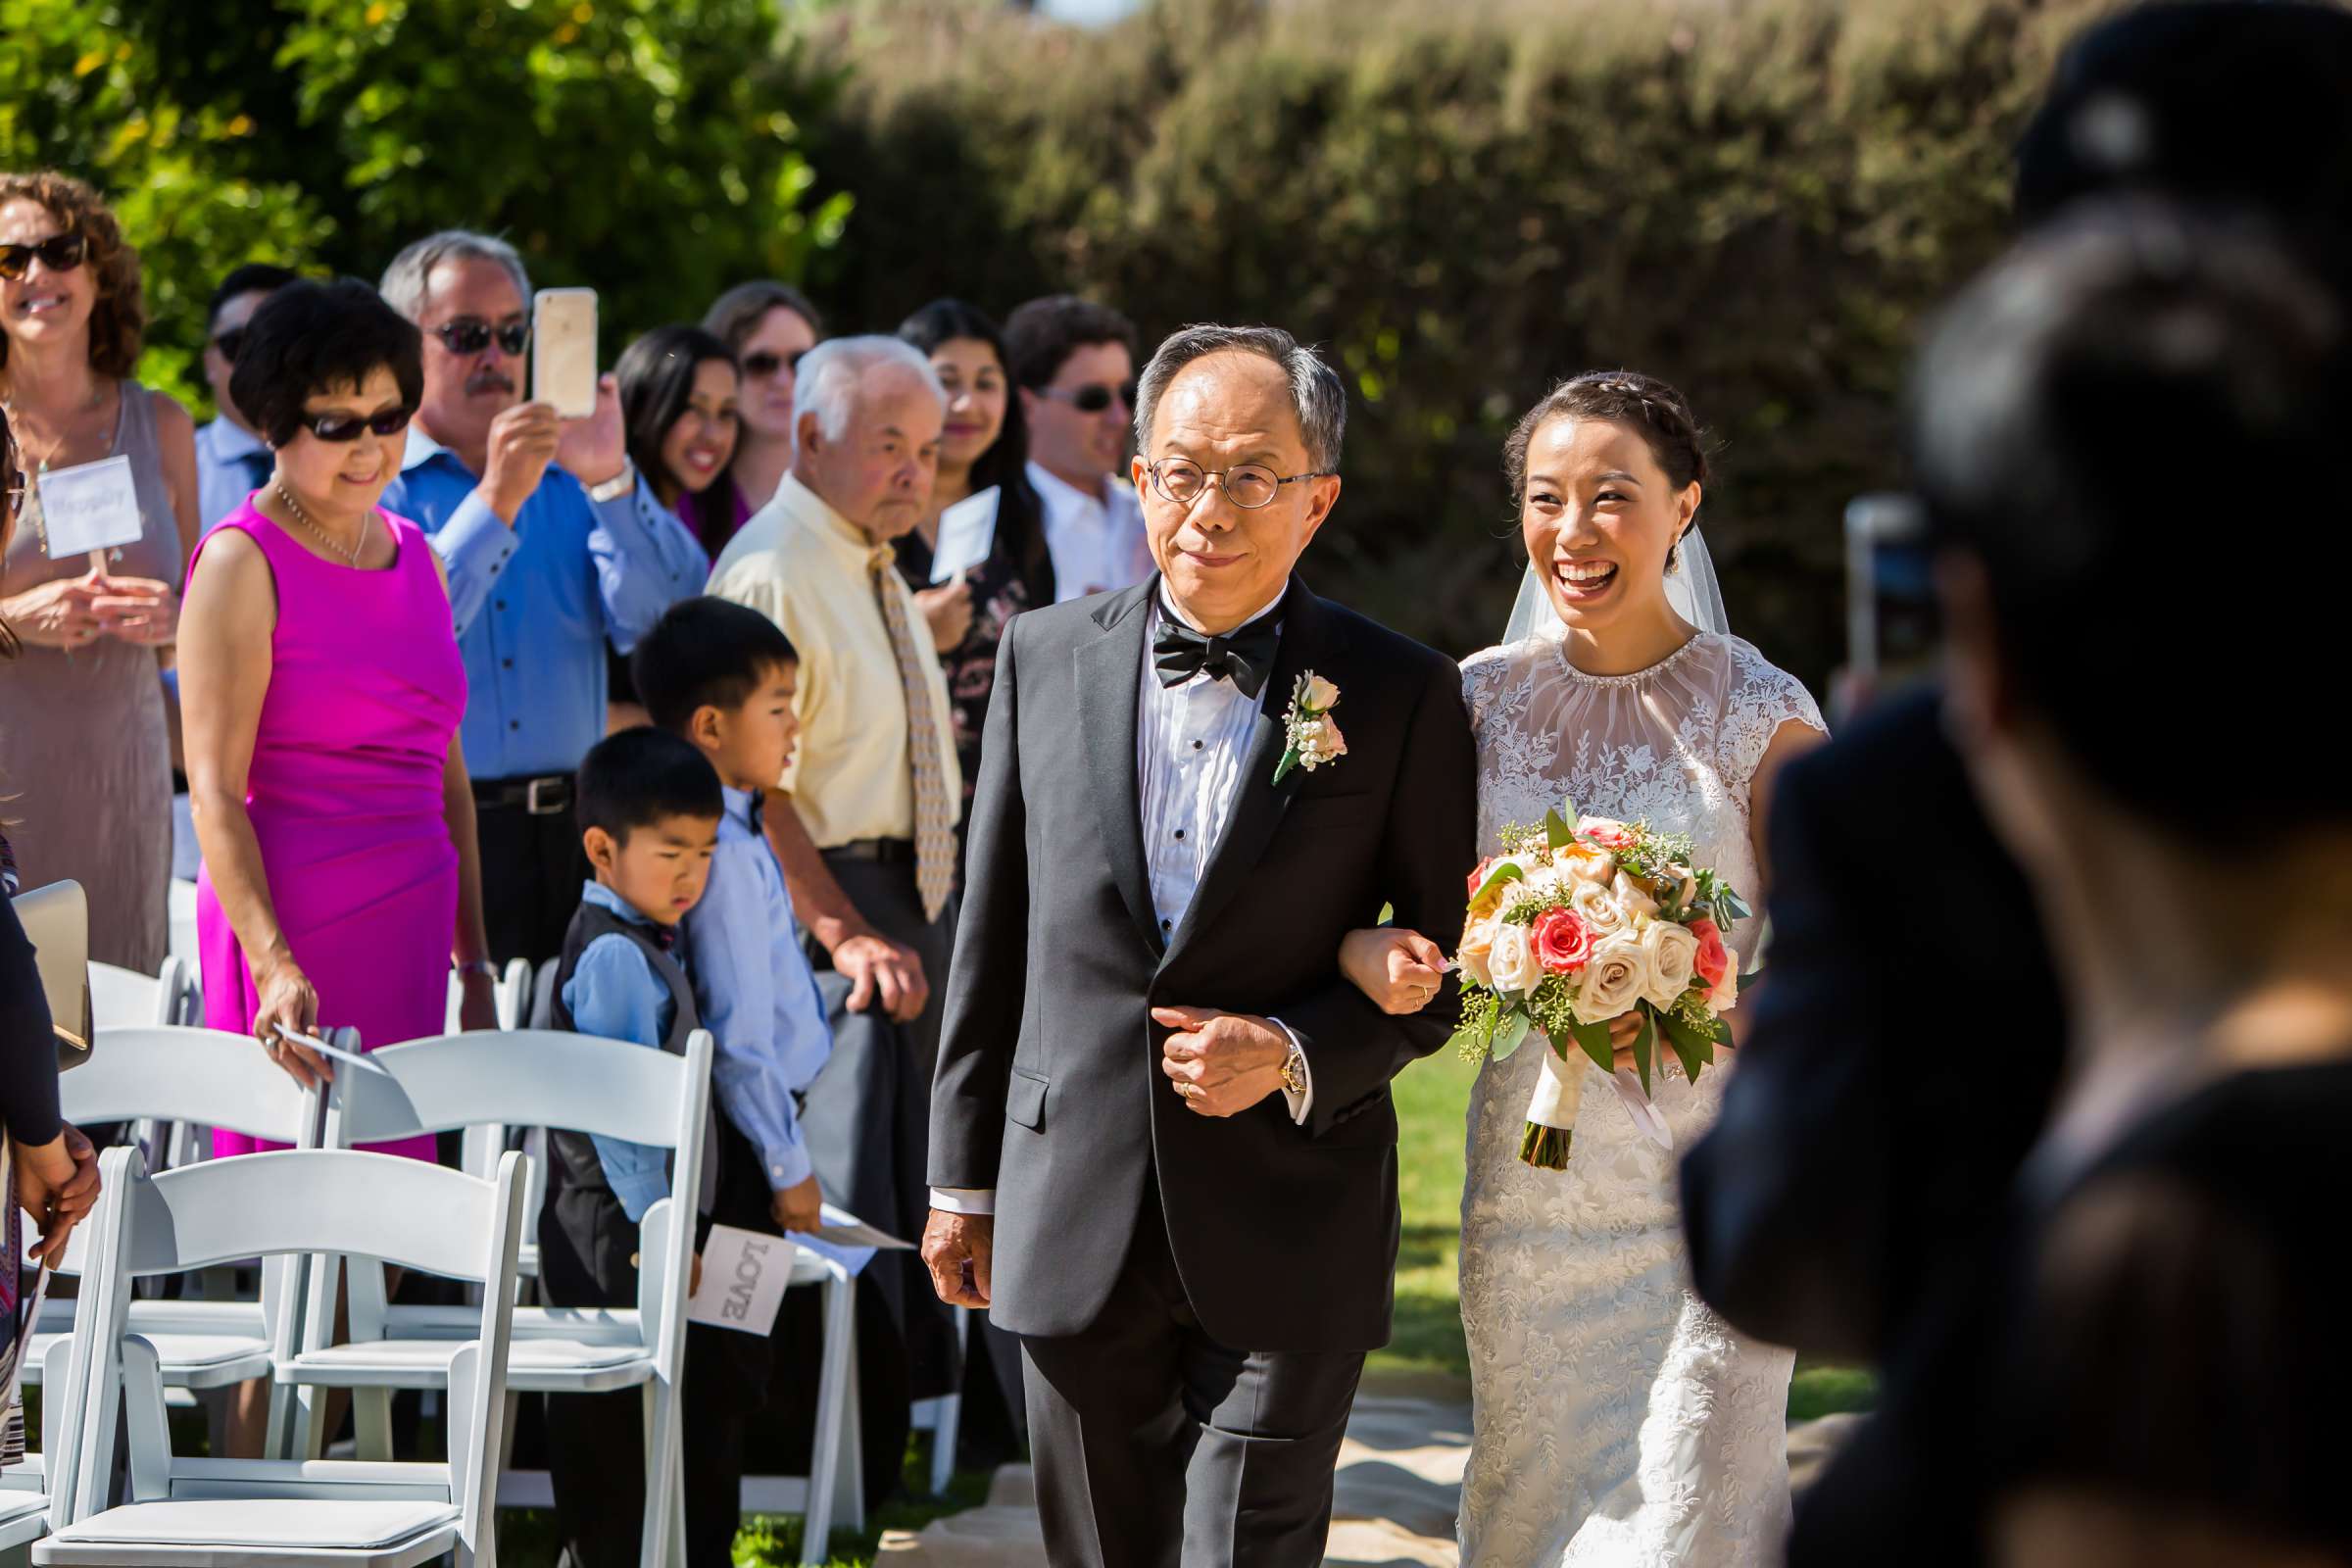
(1244, 657)
(665, 937)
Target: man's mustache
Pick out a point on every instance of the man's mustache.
(481, 382)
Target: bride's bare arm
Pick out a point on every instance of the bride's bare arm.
(1399, 969)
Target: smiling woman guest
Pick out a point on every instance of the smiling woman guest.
(71, 319)
(322, 687)
(771, 327)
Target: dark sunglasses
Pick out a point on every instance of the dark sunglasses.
(60, 252)
(230, 343)
(471, 334)
(342, 427)
(763, 364)
(1094, 396)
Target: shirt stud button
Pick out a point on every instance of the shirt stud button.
(1196, 746)
(500, 604)
(1180, 835)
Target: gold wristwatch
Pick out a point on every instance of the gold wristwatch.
(1294, 1070)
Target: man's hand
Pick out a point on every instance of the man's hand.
(960, 1249)
(522, 442)
(797, 1208)
(1221, 1062)
(595, 449)
(879, 969)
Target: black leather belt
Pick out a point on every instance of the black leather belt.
(889, 851)
(540, 796)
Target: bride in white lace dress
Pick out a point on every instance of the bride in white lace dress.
(1617, 1420)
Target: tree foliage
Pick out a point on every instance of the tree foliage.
(647, 148)
(1758, 201)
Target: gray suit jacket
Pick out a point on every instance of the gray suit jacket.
(1048, 1087)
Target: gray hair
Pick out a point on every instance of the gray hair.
(1317, 394)
(830, 375)
(404, 283)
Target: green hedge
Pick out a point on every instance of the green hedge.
(1758, 201)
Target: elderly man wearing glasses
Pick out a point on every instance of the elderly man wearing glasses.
(554, 551)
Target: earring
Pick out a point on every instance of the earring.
(1674, 558)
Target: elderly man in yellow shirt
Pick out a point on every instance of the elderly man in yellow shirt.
(864, 818)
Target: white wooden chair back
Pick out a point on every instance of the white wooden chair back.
(340, 1202)
(550, 1078)
(200, 1075)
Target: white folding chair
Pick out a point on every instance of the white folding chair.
(942, 1415)
(125, 999)
(216, 1079)
(267, 1513)
(549, 1078)
(29, 1505)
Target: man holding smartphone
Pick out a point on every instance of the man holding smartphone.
(553, 550)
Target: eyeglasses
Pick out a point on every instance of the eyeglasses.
(471, 334)
(1248, 485)
(1091, 398)
(343, 428)
(230, 343)
(60, 252)
(763, 364)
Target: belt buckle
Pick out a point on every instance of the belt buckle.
(530, 797)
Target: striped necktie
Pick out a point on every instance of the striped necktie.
(934, 818)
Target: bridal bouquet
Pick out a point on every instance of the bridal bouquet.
(1573, 926)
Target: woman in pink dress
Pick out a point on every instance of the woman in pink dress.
(321, 689)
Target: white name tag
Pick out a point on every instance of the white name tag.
(744, 1275)
(89, 507)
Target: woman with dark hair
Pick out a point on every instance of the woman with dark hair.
(88, 684)
(983, 460)
(768, 326)
(321, 684)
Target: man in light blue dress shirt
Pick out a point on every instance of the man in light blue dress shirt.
(553, 550)
(231, 460)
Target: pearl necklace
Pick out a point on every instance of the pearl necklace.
(351, 555)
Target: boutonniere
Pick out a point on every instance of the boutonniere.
(1313, 736)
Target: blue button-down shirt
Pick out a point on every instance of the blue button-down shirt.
(231, 463)
(614, 993)
(757, 994)
(537, 604)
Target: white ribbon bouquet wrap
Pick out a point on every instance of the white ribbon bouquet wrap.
(1581, 922)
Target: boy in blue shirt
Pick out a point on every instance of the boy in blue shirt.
(650, 807)
(720, 676)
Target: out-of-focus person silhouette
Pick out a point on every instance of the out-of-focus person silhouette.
(2139, 1368)
(1864, 1149)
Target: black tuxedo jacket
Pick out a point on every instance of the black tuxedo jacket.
(1050, 1087)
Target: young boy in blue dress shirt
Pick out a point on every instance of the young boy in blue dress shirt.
(720, 676)
(649, 807)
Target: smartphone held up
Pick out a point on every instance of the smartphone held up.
(563, 350)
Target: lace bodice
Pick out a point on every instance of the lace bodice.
(1618, 1420)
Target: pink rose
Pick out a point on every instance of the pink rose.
(1713, 956)
(1563, 942)
(1607, 832)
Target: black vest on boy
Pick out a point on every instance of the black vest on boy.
(587, 1243)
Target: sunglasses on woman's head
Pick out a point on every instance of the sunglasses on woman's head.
(1091, 398)
(471, 334)
(763, 364)
(342, 427)
(60, 252)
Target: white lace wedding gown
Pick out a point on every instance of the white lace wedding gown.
(1617, 1420)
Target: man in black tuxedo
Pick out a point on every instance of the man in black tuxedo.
(1163, 1147)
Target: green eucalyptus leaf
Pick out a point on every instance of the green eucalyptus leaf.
(1504, 871)
(1509, 1032)
(1693, 1046)
(1645, 1045)
(1595, 1039)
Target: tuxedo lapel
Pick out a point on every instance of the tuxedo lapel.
(1109, 682)
(1259, 802)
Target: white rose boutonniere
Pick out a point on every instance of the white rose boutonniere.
(1313, 735)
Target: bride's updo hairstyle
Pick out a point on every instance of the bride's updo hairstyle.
(1638, 402)
(2119, 422)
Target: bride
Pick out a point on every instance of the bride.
(1616, 1419)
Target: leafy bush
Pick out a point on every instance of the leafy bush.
(1758, 203)
(648, 148)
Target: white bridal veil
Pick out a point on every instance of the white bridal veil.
(1694, 592)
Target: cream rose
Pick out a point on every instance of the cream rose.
(1726, 995)
(1511, 962)
(1321, 695)
(1585, 863)
(1597, 906)
(1673, 962)
(1615, 978)
(1637, 905)
(1478, 940)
